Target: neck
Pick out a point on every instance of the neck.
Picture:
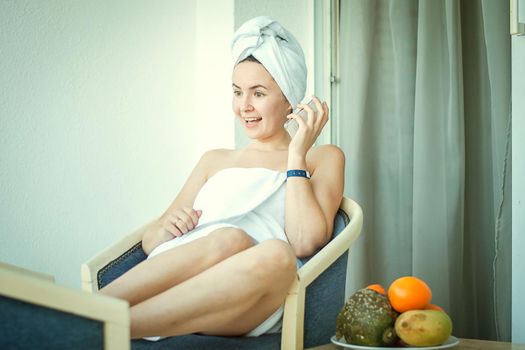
(277, 143)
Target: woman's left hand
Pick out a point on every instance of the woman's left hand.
(308, 130)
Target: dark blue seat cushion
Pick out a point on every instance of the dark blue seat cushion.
(30, 326)
(201, 342)
(324, 298)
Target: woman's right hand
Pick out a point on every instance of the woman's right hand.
(308, 131)
(181, 221)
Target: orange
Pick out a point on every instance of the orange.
(434, 307)
(409, 293)
(377, 287)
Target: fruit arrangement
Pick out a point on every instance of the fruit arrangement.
(402, 315)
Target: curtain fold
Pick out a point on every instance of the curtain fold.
(425, 124)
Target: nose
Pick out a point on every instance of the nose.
(246, 104)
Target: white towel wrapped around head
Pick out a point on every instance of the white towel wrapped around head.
(278, 51)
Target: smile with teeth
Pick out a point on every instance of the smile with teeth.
(252, 119)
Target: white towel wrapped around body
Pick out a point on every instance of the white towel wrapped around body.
(248, 198)
(252, 199)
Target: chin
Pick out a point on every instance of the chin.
(251, 136)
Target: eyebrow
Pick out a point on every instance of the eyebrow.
(251, 87)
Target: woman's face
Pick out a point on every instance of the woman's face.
(258, 101)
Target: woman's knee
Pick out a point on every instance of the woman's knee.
(275, 257)
(230, 240)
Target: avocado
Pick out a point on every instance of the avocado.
(368, 319)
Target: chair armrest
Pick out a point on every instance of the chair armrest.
(32, 289)
(31, 273)
(91, 268)
(293, 319)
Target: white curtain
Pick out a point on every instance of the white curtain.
(424, 120)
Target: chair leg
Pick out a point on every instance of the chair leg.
(116, 337)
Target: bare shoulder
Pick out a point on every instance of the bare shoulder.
(216, 159)
(325, 156)
(217, 154)
(208, 165)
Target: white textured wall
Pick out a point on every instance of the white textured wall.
(518, 189)
(212, 60)
(295, 15)
(98, 119)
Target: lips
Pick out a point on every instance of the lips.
(251, 120)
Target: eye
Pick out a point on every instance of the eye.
(236, 93)
(258, 94)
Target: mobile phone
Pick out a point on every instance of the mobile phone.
(291, 125)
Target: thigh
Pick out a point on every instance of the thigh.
(273, 268)
(230, 298)
(177, 265)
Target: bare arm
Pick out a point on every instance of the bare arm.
(169, 225)
(311, 204)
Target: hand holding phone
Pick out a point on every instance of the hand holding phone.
(292, 126)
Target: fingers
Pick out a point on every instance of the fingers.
(171, 228)
(193, 217)
(322, 111)
(182, 221)
(316, 118)
(304, 123)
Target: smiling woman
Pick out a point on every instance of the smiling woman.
(223, 255)
(257, 100)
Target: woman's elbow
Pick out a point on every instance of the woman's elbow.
(304, 251)
(310, 247)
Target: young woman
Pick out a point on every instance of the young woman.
(223, 255)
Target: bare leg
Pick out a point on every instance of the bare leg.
(172, 267)
(230, 298)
